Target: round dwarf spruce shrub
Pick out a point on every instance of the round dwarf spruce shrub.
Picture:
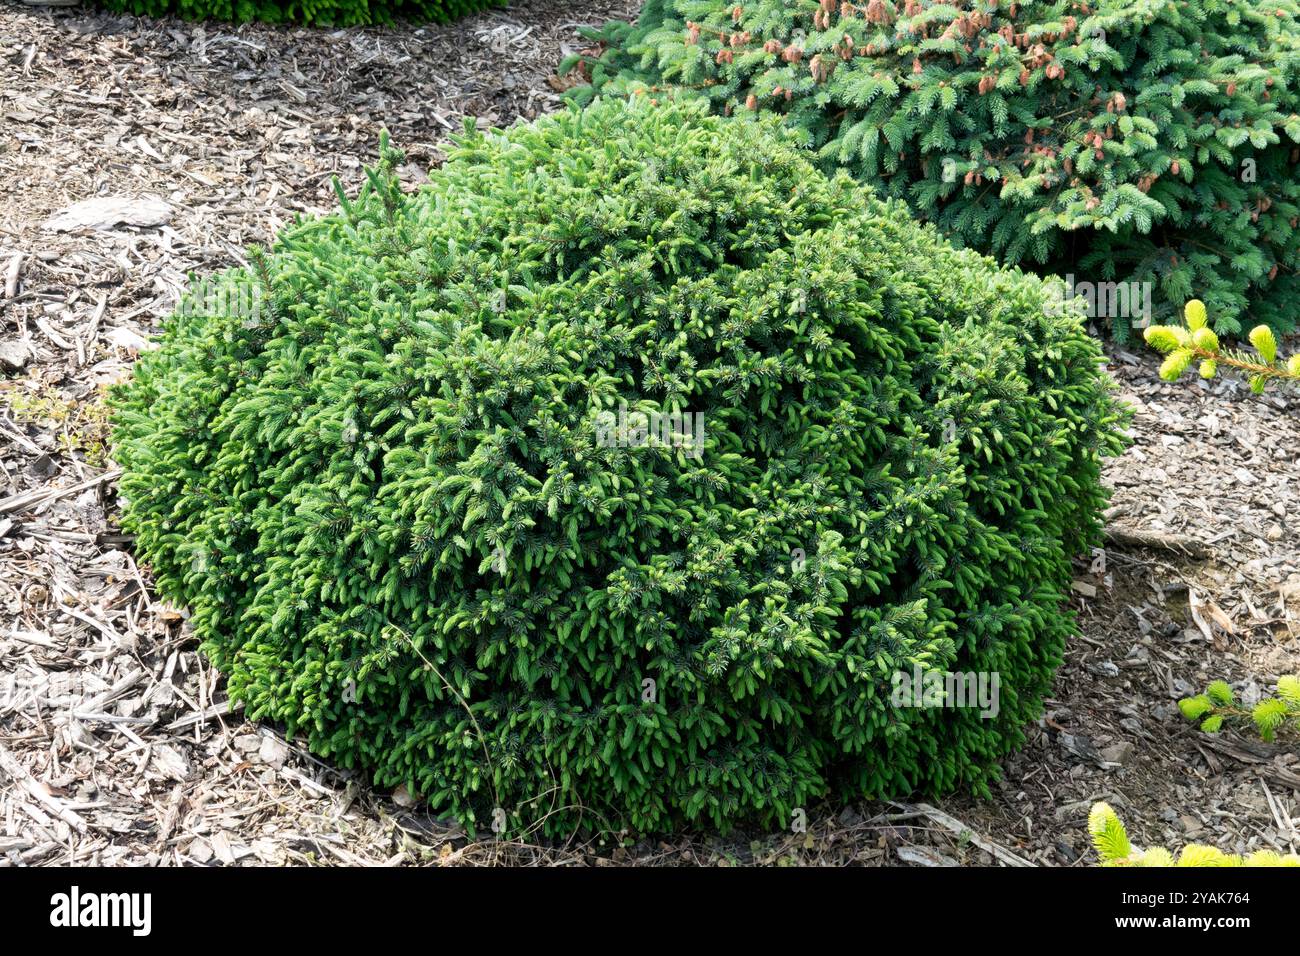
(1154, 142)
(608, 480)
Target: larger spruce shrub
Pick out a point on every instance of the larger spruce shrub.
(381, 484)
(1147, 141)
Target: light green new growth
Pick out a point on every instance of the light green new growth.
(1184, 345)
(1112, 845)
(1218, 704)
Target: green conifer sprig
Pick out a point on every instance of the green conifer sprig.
(1195, 342)
(437, 543)
(1218, 707)
(1112, 844)
(1152, 141)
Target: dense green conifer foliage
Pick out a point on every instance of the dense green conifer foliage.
(384, 485)
(338, 13)
(1151, 141)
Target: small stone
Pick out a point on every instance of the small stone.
(273, 752)
(1274, 533)
(14, 355)
(1080, 746)
(43, 467)
(1102, 669)
(1118, 753)
(1191, 826)
(171, 762)
(129, 340)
